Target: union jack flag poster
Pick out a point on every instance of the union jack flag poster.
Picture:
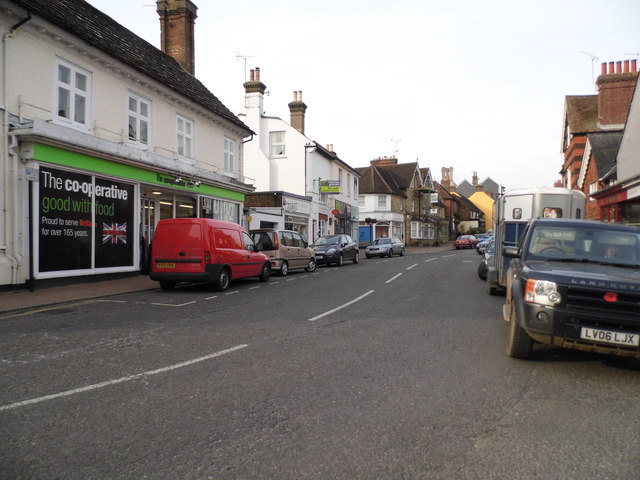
(114, 233)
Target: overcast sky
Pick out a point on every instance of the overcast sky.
(474, 85)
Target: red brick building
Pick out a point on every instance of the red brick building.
(593, 126)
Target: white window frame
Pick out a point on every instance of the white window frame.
(184, 137)
(277, 146)
(361, 201)
(74, 93)
(230, 157)
(593, 188)
(139, 117)
(384, 204)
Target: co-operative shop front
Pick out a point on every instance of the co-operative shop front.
(95, 216)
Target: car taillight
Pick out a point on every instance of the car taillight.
(207, 256)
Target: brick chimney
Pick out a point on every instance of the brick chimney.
(447, 178)
(474, 179)
(616, 85)
(297, 108)
(384, 162)
(177, 20)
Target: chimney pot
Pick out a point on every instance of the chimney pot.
(257, 78)
(619, 66)
(626, 66)
(252, 75)
(634, 65)
(611, 67)
(603, 68)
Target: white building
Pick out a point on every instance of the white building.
(104, 135)
(300, 184)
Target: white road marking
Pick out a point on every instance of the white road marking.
(414, 265)
(129, 378)
(289, 279)
(468, 261)
(253, 288)
(451, 255)
(430, 260)
(273, 283)
(393, 278)
(211, 298)
(232, 293)
(318, 317)
(173, 305)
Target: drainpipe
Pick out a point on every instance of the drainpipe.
(11, 252)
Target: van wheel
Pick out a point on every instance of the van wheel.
(520, 344)
(311, 266)
(167, 285)
(266, 272)
(284, 269)
(223, 280)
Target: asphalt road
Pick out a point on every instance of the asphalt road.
(390, 369)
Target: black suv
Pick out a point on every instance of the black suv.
(335, 249)
(574, 284)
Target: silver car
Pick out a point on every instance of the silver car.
(385, 247)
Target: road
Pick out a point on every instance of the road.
(389, 369)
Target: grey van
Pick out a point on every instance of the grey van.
(287, 250)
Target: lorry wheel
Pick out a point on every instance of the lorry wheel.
(284, 269)
(167, 285)
(266, 272)
(223, 280)
(491, 289)
(519, 344)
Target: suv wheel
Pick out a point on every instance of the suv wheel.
(311, 266)
(284, 269)
(520, 344)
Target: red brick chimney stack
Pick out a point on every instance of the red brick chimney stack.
(177, 21)
(616, 85)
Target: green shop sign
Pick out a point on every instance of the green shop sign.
(58, 156)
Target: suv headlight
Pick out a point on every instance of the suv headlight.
(542, 292)
(331, 251)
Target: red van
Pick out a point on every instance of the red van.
(204, 250)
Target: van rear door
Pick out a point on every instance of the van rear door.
(178, 247)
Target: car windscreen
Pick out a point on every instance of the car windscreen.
(382, 241)
(585, 244)
(328, 240)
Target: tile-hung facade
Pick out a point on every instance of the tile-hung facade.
(104, 136)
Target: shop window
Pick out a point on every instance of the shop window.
(73, 95)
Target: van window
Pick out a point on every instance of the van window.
(248, 242)
(286, 239)
(227, 238)
(297, 240)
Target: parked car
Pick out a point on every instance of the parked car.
(483, 243)
(486, 262)
(287, 249)
(574, 284)
(205, 250)
(336, 249)
(465, 241)
(385, 247)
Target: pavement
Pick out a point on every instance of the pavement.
(51, 295)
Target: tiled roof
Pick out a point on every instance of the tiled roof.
(102, 32)
(604, 149)
(582, 113)
(380, 180)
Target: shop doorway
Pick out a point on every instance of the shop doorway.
(148, 220)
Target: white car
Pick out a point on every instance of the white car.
(385, 247)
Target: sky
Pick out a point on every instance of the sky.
(477, 86)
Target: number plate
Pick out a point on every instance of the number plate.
(607, 336)
(165, 265)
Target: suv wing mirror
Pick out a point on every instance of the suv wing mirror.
(510, 252)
